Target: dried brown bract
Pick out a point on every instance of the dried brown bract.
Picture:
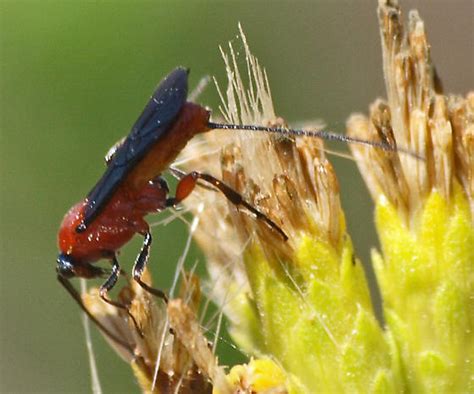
(159, 352)
(418, 117)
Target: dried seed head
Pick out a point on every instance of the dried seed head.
(288, 180)
(461, 117)
(416, 117)
(184, 323)
(284, 299)
(160, 358)
(424, 210)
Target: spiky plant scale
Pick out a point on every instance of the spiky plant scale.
(245, 330)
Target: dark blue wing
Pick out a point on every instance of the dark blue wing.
(155, 120)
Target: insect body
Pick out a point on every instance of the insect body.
(131, 186)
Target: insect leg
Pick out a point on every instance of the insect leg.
(77, 297)
(108, 285)
(188, 182)
(139, 267)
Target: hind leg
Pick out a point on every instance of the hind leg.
(189, 181)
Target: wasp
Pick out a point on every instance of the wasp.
(132, 186)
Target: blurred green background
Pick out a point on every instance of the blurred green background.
(75, 75)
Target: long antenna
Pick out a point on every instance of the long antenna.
(322, 134)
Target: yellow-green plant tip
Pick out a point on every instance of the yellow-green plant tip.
(458, 243)
(257, 266)
(397, 244)
(323, 297)
(352, 278)
(398, 327)
(379, 268)
(316, 258)
(427, 281)
(432, 230)
(396, 361)
(326, 317)
(275, 325)
(383, 384)
(365, 346)
(245, 329)
(433, 368)
(451, 317)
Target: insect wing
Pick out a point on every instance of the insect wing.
(155, 120)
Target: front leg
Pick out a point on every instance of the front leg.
(109, 285)
(139, 267)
